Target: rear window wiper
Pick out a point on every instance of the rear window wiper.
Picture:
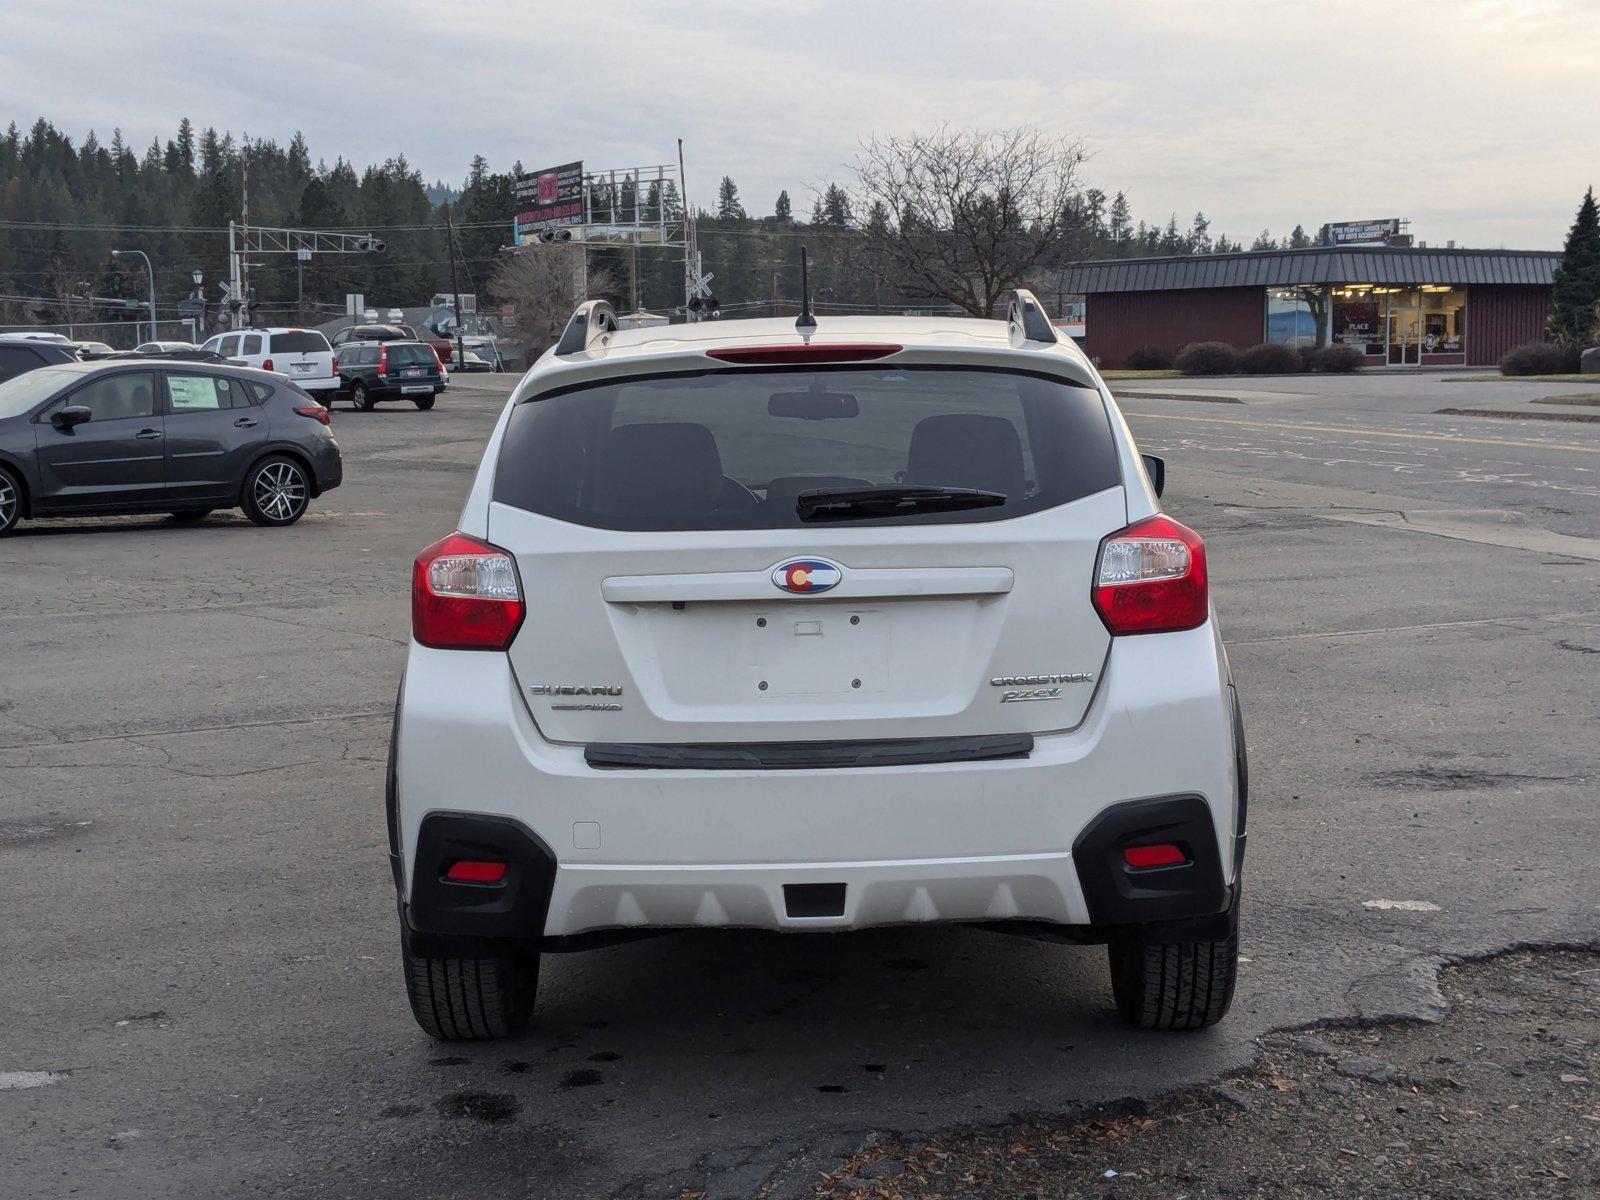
(892, 500)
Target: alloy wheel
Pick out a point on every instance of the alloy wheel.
(280, 491)
(10, 500)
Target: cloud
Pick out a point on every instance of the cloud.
(1474, 119)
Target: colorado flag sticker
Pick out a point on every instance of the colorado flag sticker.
(806, 576)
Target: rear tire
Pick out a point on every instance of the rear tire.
(471, 999)
(359, 398)
(424, 402)
(1174, 985)
(277, 491)
(10, 501)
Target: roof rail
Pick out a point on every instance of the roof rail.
(1026, 316)
(590, 320)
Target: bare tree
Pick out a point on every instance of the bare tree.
(545, 283)
(971, 213)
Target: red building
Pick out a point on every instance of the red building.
(1400, 307)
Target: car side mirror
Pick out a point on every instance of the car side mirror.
(72, 414)
(1156, 468)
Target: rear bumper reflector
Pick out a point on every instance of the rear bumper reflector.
(801, 756)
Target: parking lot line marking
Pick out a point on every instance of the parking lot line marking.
(1335, 633)
(1363, 432)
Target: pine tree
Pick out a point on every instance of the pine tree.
(1264, 241)
(186, 145)
(1575, 303)
(728, 206)
(1199, 239)
(1298, 238)
(783, 211)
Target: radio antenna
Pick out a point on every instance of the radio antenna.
(806, 322)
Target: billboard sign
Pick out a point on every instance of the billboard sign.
(548, 199)
(1361, 233)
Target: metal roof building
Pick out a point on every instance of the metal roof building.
(1402, 306)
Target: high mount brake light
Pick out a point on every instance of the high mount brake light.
(1151, 578)
(809, 352)
(465, 595)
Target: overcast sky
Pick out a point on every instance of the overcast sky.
(1474, 118)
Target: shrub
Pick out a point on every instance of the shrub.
(1540, 358)
(1339, 360)
(1309, 355)
(1270, 358)
(1147, 358)
(1207, 358)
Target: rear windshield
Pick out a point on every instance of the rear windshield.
(734, 449)
(299, 343)
(410, 356)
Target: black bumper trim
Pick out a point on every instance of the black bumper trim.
(514, 908)
(799, 756)
(1117, 894)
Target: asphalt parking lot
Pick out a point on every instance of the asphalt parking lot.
(204, 996)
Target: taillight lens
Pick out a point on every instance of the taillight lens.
(315, 411)
(335, 364)
(383, 360)
(1151, 578)
(465, 595)
(266, 364)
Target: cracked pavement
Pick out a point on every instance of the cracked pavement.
(192, 730)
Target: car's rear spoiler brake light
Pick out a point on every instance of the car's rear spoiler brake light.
(805, 352)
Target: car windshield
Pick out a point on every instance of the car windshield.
(19, 395)
(738, 449)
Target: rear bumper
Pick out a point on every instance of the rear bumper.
(316, 385)
(997, 840)
(329, 466)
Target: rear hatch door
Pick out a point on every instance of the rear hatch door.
(675, 594)
(301, 355)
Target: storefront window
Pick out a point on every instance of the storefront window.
(1444, 319)
(1289, 318)
(1358, 319)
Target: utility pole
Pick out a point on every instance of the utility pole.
(455, 289)
(688, 232)
(244, 297)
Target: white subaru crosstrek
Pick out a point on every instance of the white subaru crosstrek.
(814, 628)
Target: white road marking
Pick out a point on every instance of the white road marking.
(1403, 905)
(15, 1081)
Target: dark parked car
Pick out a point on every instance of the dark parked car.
(442, 346)
(374, 371)
(17, 357)
(130, 436)
(372, 333)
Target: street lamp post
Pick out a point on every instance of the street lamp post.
(152, 273)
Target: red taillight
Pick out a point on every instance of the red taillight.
(335, 364)
(465, 595)
(315, 411)
(266, 364)
(1164, 854)
(474, 871)
(806, 352)
(383, 360)
(1151, 578)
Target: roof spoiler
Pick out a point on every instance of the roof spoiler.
(1027, 318)
(590, 320)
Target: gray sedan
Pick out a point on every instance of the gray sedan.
(125, 436)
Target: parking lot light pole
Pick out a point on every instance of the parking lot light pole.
(152, 273)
